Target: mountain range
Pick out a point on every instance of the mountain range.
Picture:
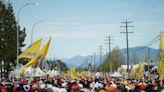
(83, 61)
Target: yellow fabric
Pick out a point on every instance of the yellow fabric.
(33, 61)
(143, 57)
(73, 73)
(159, 66)
(162, 75)
(34, 54)
(138, 72)
(134, 73)
(25, 56)
(45, 49)
(161, 41)
(22, 70)
(160, 62)
(32, 51)
(149, 62)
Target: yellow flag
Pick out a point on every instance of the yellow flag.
(159, 66)
(149, 63)
(73, 73)
(139, 71)
(22, 70)
(32, 51)
(161, 41)
(162, 75)
(40, 54)
(45, 49)
(160, 61)
(32, 62)
(143, 57)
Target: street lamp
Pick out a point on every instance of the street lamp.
(34, 27)
(18, 26)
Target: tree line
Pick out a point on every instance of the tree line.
(56, 65)
(113, 61)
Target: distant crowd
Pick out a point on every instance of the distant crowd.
(80, 84)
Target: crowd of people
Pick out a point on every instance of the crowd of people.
(80, 84)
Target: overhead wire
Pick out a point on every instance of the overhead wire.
(143, 6)
(153, 41)
(153, 6)
(144, 12)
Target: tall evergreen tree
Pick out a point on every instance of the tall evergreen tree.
(2, 15)
(8, 38)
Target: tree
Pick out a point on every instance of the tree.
(57, 65)
(8, 35)
(135, 58)
(114, 59)
(61, 65)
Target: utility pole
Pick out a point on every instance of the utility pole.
(90, 64)
(100, 49)
(148, 54)
(149, 60)
(109, 53)
(94, 61)
(126, 26)
(109, 39)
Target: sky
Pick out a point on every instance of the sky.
(79, 27)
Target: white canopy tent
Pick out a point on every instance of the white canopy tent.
(98, 74)
(133, 66)
(56, 73)
(39, 72)
(116, 74)
(53, 73)
(29, 71)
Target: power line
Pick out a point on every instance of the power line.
(143, 6)
(143, 13)
(156, 39)
(148, 44)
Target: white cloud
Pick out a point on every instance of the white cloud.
(68, 34)
(78, 31)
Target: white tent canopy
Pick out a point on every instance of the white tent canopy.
(53, 73)
(56, 73)
(29, 71)
(133, 66)
(116, 74)
(39, 72)
(98, 74)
